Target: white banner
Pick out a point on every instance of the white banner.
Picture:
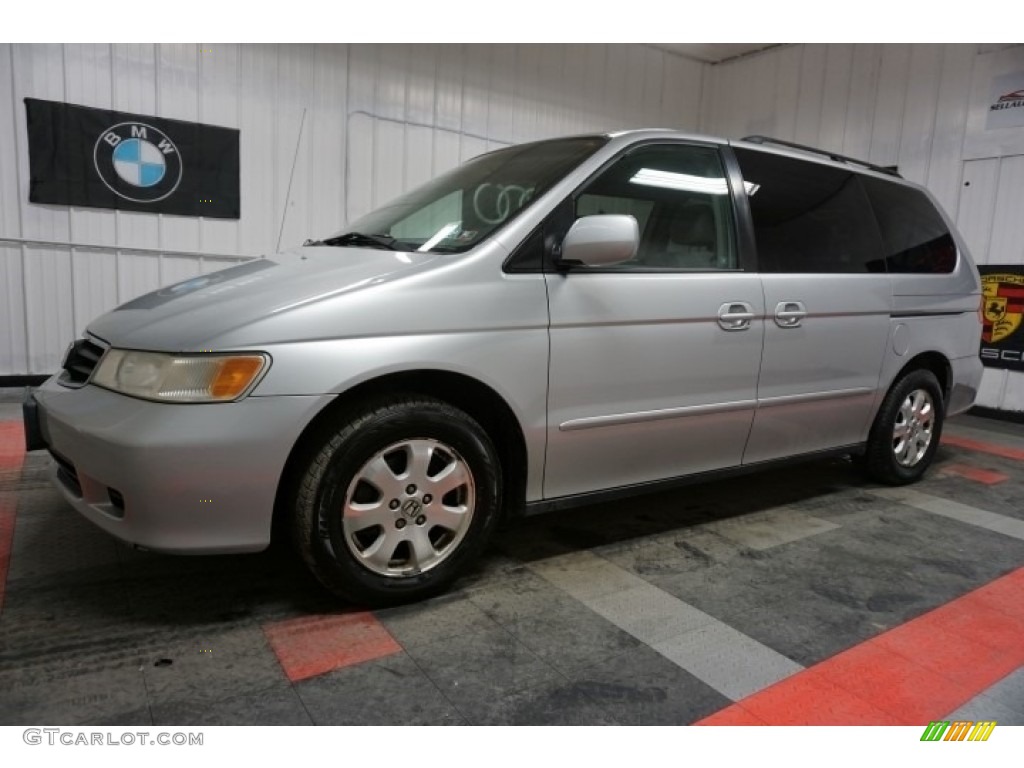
(995, 121)
(1006, 101)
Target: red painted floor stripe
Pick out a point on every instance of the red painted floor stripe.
(311, 645)
(787, 704)
(977, 474)
(12, 446)
(994, 449)
(734, 715)
(12, 456)
(1004, 594)
(910, 675)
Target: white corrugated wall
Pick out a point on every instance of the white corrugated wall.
(382, 118)
(378, 120)
(905, 105)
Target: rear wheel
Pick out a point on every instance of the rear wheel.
(907, 429)
(398, 501)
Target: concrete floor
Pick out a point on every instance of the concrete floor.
(797, 595)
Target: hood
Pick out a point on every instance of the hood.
(181, 317)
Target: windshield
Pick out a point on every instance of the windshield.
(456, 211)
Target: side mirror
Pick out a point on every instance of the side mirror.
(602, 240)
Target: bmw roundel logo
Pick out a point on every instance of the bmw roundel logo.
(137, 162)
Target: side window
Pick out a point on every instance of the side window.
(680, 199)
(808, 217)
(916, 238)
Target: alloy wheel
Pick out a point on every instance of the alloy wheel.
(408, 507)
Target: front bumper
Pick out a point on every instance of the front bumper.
(172, 478)
(30, 417)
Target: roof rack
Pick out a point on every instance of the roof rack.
(891, 170)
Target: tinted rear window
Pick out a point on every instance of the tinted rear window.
(916, 238)
(808, 217)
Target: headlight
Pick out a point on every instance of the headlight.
(179, 378)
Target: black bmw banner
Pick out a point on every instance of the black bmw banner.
(1002, 335)
(105, 159)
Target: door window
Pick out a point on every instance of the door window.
(809, 217)
(680, 199)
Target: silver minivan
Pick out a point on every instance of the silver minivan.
(548, 325)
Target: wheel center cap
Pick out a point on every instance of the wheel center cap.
(412, 508)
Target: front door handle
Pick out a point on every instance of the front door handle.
(735, 316)
(789, 314)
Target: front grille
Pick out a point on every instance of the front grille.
(80, 362)
(66, 474)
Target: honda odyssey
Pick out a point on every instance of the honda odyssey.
(547, 325)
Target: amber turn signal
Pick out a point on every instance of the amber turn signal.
(234, 376)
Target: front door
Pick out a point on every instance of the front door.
(654, 362)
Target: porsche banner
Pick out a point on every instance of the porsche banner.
(1002, 337)
(100, 158)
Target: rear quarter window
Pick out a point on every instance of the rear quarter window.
(916, 239)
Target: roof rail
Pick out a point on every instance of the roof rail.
(891, 170)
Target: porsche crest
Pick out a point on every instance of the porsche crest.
(1002, 339)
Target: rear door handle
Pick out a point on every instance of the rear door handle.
(735, 316)
(789, 314)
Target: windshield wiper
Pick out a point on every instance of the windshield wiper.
(357, 238)
(447, 249)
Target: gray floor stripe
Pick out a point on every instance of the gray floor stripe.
(954, 510)
(1003, 702)
(728, 660)
(770, 528)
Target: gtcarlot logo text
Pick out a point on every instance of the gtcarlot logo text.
(73, 738)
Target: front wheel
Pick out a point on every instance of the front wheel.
(907, 429)
(398, 501)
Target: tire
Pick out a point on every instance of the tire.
(907, 430)
(397, 502)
